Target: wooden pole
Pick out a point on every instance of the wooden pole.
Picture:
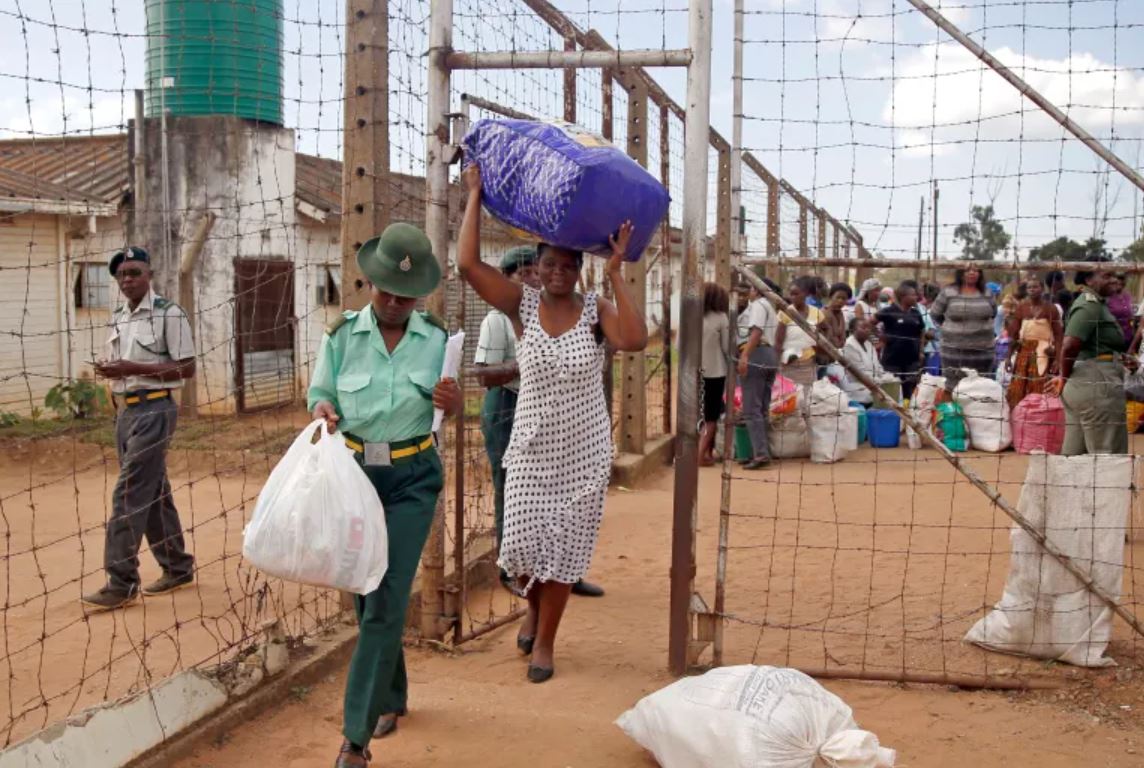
(365, 165)
(191, 251)
(633, 378)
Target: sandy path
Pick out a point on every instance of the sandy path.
(475, 708)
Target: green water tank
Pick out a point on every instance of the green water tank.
(215, 57)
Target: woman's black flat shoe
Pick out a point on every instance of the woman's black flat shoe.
(386, 726)
(540, 674)
(524, 643)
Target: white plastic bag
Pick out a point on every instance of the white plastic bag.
(833, 425)
(318, 519)
(922, 405)
(1081, 504)
(986, 412)
(751, 717)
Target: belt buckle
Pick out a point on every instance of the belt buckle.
(377, 455)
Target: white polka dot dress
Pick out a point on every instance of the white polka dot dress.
(559, 459)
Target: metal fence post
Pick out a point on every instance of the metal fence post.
(696, 136)
(437, 139)
(665, 257)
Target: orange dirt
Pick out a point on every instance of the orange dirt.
(851, 595)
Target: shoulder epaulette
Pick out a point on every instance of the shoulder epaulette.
(161, 303)
(346, 316)
(433, 320)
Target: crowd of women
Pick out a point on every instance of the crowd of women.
(1035, 336)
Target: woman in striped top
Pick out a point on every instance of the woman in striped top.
(965, 313)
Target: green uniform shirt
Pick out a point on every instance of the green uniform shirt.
(1090, 321)
(380, 397)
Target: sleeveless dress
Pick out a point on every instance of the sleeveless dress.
(559, 459)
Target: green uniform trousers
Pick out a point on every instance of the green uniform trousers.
(377, 683)
(496, 425)
(1095, 421)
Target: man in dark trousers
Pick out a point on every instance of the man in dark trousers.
(151, 354)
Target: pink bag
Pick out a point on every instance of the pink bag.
(1039, 424)
(784, 396)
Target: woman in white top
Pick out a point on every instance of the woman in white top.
(796, 345)
(869, 296)
(713, 365)
(860, 351)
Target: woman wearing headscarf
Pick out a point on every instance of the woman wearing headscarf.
(869, 296)
(1035, 332)
(965, 312)
(559, 458)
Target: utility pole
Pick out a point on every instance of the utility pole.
(933, 259)
(921, 225)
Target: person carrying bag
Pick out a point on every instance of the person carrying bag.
(378, 379)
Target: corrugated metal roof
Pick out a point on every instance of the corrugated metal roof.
(14, 184)
(76, 168)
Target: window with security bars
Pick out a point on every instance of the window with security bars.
(329, 287)
(92, 286)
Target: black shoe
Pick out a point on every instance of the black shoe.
(757, 464)
(388, 725)
(350, 756)
(587, 589)
(168, 583)
(524, 643)
(108, 599)
(540, 674)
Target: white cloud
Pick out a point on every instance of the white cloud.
(957, 11)
(857, 21)
(973, 100)
(106, 114)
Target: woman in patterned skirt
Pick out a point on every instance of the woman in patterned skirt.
(1036, 332)
(559, 458)
(965, 313)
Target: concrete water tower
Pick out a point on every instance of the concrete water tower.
(213, 146)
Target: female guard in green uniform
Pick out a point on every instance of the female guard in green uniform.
(377, 379)
(1091, 381)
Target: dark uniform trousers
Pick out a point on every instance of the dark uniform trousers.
(762, 368)
(496, 426)
(142, 504)
(377, 683)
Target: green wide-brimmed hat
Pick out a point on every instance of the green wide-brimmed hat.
(520, 256)
(400, 261)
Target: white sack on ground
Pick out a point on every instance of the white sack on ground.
(318, 519)
(922, 405)
(751, 717)
(1081, 504)
(833, 425)
(986, 410)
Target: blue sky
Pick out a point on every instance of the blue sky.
(858, 103)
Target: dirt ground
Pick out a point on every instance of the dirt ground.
(54, 499)
(881, 562)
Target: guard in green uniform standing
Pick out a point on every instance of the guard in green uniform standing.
(1091, 380)
(497, 371)
(378, 379)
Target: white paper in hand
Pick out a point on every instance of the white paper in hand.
(453, 348)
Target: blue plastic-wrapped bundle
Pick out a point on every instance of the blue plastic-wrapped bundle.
(565, 186)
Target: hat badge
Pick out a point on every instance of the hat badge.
(405, 264)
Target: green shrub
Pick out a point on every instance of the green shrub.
(76, 399)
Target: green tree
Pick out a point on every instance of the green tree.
(1067, 249)
(1134, 252)
(983, 237)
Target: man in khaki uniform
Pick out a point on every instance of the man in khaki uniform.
(151, 353)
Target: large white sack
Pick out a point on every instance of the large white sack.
(986, 412)
(833, 425)
(751, 717)
(318, 519)
(922, 405)
(789, 435)
(1081, 504)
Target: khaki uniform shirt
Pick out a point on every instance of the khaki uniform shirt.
(1091, 321)
(156, 331)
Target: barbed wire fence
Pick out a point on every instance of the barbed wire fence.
(877, 567)
(232, 176)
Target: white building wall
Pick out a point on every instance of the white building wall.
(88, 327)
(32, 348)
(318, 246)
